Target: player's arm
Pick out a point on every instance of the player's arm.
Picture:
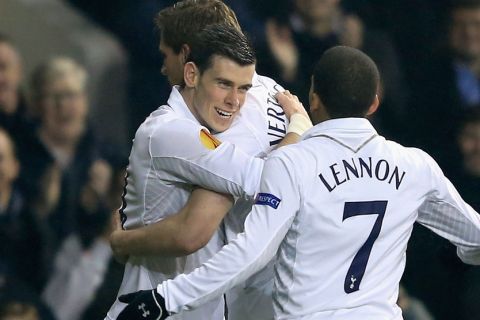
(177, 235)
(448, 215)
(299, 121)
(184, 152)
(265, 228)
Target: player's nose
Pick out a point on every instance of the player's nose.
(233, 98)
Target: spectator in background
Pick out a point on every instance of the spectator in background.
(448, 92)
(468, 177)
(20, 236)
(12, 106)
(19, 302)
(132, 22)
(412, 308)
(451, 298)
(296, 38)
(468, 180)
(58, 155)
(80, 285)
(450, 85)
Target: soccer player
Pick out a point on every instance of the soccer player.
(173, 151)
(265, 124)
(337, 210)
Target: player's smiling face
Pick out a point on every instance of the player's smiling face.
(220, 93)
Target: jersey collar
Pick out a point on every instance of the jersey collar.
(176, 102)
(350, 132)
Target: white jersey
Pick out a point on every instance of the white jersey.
(252, 299)
(337, 209)
(167, 158)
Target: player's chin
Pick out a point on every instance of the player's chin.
(222, 124)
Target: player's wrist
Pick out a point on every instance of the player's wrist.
(299, 123)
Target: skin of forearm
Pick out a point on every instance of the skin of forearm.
(155, 239)
(179, 234)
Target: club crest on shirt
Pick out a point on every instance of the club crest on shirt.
(268, 199)
(208, 140)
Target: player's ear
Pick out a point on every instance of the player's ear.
(374, 106)
(190, 74)
(314, 102)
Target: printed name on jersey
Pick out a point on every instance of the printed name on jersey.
(209, 141)
(358, 168)
(277, 127)
(268, 199)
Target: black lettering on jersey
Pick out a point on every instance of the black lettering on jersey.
(367, 167)
(337, 174)
(277, 127)
(398, 178)
(350, 167)
(379, 169)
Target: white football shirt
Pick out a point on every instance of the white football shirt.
(168, 157)
(337, 210)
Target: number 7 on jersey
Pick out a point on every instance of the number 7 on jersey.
(359, 264)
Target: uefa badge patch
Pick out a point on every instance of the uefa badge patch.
(208, 140)
(268, 199)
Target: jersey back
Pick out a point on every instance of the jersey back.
(358, 196)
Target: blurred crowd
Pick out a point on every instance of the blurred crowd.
(60, 181)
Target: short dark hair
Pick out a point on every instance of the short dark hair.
(220, 40)
(180, 22)
(346, 81)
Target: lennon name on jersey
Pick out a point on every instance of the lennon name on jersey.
(357, 168)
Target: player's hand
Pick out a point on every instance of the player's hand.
(290, 104)
(143, 305)
(298, 118)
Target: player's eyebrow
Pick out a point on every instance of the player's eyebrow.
(231, 83)
(246, 86)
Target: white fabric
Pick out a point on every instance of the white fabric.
(252, 299)
(323, 185)
(78, 274)
(167, 158)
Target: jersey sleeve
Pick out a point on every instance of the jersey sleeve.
(265, 227)
(185, 152)
(448, 215)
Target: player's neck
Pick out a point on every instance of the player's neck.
(188, 98)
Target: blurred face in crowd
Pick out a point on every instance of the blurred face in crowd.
(9, 166)
(64, 108)
(173, 63)
(313, 10)
(465, 33)
(10, 77)
(20, 311)
(219, 91)
(469, 142)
